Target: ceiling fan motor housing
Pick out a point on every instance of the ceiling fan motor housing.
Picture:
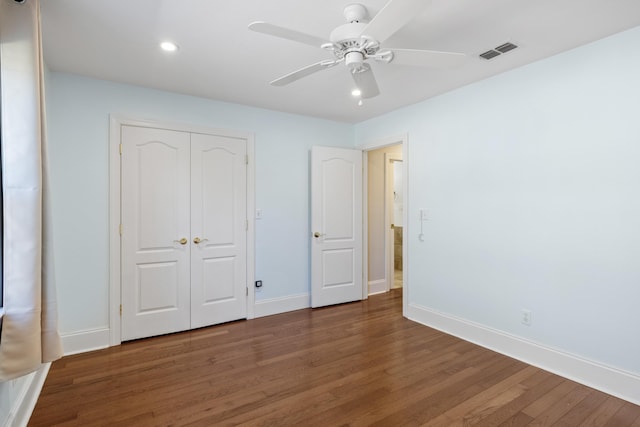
(347, 32)
(349, 43)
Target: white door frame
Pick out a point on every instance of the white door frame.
(115, 207)
(374, 145)
(389, 202)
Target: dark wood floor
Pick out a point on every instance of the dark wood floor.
(354, 364)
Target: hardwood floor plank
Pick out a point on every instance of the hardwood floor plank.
(561, 407)
(518, 420)
(543, 404)
(600, 415)
(426, 409)
(358, 364)
(578, 413)
(625, 416)
(471, 410)
(537, 386)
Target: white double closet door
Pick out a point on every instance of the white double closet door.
(184, 230)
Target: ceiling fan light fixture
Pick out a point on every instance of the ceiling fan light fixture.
(354, 61)
(356, 92)
(168, 46)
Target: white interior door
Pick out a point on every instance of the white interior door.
(218, 229)
(336, 223)
(155, 222)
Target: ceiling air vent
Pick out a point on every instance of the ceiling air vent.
(503, 48)
(489, 54)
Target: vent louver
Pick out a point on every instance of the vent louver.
(489, 54)
(503, 48)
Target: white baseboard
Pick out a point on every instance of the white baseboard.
(377, 286)
(615, 382)
(272, 306)
(83, 341)
(27, 397)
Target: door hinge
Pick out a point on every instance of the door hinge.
(120, 310)
(246, 159)
(120, 149)
(246, 224)
(247, 291)
(120, 229)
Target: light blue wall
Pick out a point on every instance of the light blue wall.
(78, 130)
(532, 179)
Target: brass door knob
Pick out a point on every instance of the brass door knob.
(182, 241)
(197, 240)
(317, 234)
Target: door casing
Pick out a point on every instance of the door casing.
(403, 140)
(115, 208)
(389, 239)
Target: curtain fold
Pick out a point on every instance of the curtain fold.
(29, 335)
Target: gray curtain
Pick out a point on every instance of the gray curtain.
(29, 335)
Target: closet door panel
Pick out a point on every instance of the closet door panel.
(219, 229)
(155, 217)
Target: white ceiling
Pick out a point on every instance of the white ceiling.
(219, 58)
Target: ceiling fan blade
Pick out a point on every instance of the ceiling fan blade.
(393, 16)
(303, 72)
(286, 33)
(427, 58)
(366, 82)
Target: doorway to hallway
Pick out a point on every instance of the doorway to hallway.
(385, 213)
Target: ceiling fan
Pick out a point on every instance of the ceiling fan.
(356, 42)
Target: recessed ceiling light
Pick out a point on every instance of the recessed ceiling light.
(356, 92)
(168, 46)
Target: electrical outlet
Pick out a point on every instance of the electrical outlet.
(526, 317)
